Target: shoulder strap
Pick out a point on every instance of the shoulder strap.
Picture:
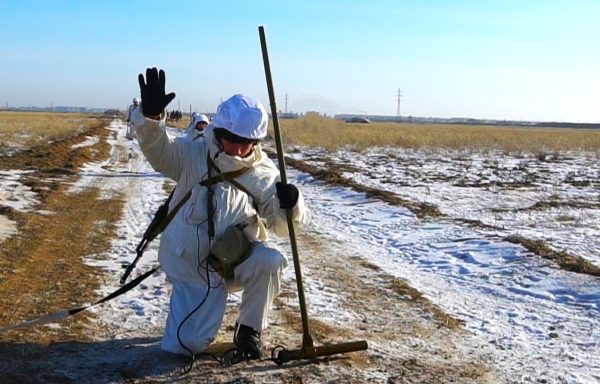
(163, 224)
(218, 178)
(222, 177)
(160, 223)
(229, 177)
(163, 217)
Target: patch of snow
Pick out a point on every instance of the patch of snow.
(494, 187)
(15, 195)
(88, 142)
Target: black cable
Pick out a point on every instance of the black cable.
(192, 355)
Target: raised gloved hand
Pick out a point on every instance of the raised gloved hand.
(154, 100)
(287, 194)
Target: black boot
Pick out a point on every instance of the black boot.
(247, 339)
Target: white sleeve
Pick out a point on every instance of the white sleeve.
(166, 154)
(270, 210)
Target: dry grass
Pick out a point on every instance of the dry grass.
(41, 268)
(405, 290)
(562, 258)
(28, 129)
(332, 134)
(181, 124)
(59, 156)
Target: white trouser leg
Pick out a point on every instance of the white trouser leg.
(130, 131)
(200, 329)
(259, 276)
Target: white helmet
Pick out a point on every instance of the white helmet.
(136, 100)
(200, 118)
(243, 116)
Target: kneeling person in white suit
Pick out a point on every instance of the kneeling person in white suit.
(236, 197)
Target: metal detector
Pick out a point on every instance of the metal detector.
(308, 350)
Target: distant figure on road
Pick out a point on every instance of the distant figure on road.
(130, 132)
(195, 130)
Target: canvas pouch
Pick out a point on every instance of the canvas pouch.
(228, 251)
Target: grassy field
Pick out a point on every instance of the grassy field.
(32, 128)
(332, 134)
(28, 129)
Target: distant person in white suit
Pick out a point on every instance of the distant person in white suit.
(130, 132)
(195, 130)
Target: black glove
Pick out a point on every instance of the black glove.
(287, 194)
(154, 100)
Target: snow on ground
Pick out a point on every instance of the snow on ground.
(539, 321)
(539, 318)
(493, 187)
(88, 142)
(15, 195)
(147, 305)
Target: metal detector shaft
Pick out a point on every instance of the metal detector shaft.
(308, 351)
(307, 339)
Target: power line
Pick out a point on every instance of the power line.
(399, 96)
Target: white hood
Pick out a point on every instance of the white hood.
(243, 116)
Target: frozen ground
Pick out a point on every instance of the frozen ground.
(551, 197)
(537, 322)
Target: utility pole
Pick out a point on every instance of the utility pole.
(286, 101)
(398, 95)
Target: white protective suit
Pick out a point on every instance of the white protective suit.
(185, 242)
(130, 131)
(191, 132)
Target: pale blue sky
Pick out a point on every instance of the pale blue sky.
(513, 59)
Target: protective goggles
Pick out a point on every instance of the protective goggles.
(221, 133)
